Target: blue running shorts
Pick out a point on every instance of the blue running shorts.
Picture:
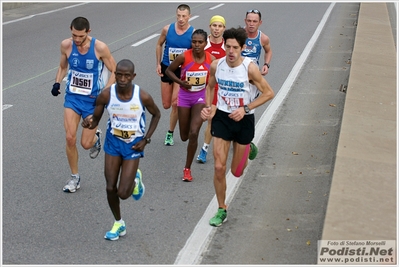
(81, 107)
(118, 148)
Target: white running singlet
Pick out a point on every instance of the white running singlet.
(234, 88)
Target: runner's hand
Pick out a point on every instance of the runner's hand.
(206, 112)
(56, 89)
(86, 123)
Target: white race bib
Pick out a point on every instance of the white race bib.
(81, 83)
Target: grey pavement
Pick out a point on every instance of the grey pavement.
(361, 204)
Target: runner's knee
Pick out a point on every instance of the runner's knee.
(237, 173)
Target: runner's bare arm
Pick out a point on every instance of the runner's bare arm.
(174, 66)
(149, 104)
(265, 41)
(158, 49)
(92, 121)
(105, 55)
(255, 76)
(63, 67)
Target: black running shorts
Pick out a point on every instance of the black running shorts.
(242, 131)
(165, 77)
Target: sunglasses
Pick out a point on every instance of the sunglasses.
(255, 11)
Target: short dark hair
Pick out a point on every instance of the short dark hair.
(183, 7)
(201, 32)
(80, 24)
(126, 63)
(236, 33)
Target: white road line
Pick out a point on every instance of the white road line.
(155, 35)
(198, 242)
(43, 13)
(193, 18)
(212, 8)
(6, 106)
(146, 39)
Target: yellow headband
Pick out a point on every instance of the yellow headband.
(217, 18)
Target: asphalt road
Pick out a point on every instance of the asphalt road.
(275, 211)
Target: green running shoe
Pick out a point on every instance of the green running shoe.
(253, 151)
(219, 218)
(169, 139)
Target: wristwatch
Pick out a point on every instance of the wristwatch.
(268, 65)
(246, 108)
(148, 140)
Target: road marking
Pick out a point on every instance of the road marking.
(146, 39)
(212, 8)
(115, 41)
(198, 242)
(6, 106)
(43, 13)
(155, 35)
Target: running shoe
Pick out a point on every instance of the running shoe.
(169, 139)
(253, 151)
(219, 218)
(202, 156)
(139, 188)
(72, 185)
(187, 175)
(95, 150)
(119, 229)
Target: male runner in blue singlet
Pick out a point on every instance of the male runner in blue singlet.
(89, 61)
(177, 39)
(255, 42)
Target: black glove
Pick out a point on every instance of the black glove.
(55, 91)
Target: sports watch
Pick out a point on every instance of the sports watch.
(246, 108)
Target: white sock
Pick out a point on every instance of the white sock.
(205, 147)
(120, 221)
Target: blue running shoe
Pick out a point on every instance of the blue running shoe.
(202, 156)
(139, 188)
(119, 229)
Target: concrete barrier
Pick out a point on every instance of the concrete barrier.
(362, 201)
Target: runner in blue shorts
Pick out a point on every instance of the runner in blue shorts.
(125, 140)
(85, 62)
(118, 148)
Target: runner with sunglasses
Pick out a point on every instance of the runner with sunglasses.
(255, 42)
